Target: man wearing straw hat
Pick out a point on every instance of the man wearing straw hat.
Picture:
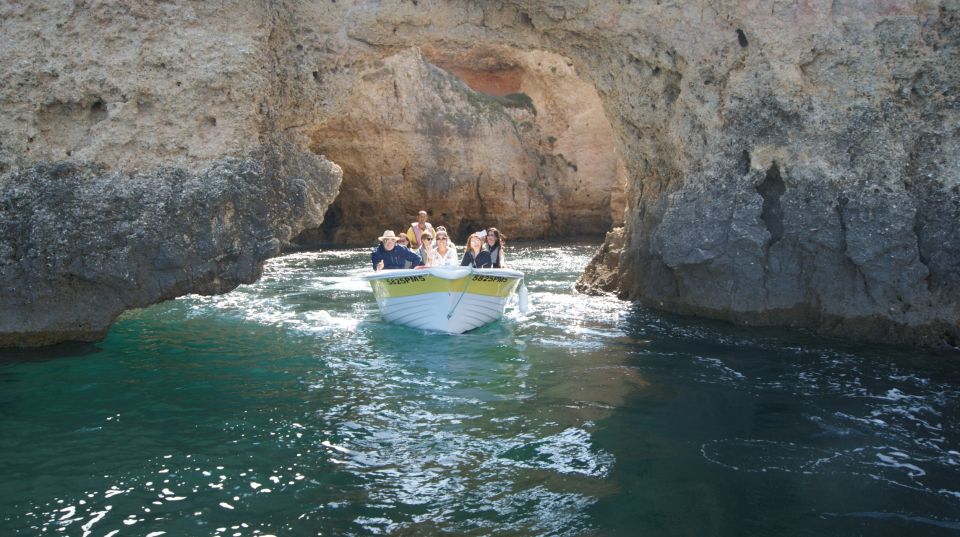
(390, 255)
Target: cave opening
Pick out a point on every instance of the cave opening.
(477, 137)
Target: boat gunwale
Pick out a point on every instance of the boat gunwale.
(445, 272)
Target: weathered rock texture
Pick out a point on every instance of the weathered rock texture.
(134, 84)
(814, 177)
(529, 152)
(788, 162)
(80, 245)
(145, 159)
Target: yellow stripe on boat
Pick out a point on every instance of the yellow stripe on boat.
(479, 284)
(448, 299)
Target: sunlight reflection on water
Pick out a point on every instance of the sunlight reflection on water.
(289, 407)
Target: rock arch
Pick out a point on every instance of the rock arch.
(487, 134)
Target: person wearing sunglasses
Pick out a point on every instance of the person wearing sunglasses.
(445, 253)
(426, 249)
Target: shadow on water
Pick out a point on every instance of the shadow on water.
(744, 431)
(52, 352)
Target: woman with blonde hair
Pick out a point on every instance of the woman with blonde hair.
(445, 254)
(475, 256)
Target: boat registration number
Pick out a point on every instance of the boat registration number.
(498, 279)
(405, 279)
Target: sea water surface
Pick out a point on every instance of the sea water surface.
(290, 408)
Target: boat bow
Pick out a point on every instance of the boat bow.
(447, 299)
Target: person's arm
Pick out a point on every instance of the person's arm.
(503, 260)
(483, 259)
(375, 258)
(467, 259)
(412, 256)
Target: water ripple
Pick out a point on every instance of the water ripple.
(289, 407)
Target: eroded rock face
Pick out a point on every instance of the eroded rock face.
(580, 172)
(811, 174)
(144, 159)
(521, 155)
(417, 138)
(80, 244)
(131, 85)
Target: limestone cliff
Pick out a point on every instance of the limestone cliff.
(812, 176)
(787, 162)
(412, 136)
(144, 159)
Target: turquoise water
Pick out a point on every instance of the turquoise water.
(289, 408)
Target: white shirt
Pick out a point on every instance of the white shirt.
(450, 259)
(429, 257)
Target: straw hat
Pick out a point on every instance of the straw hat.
(388, 234)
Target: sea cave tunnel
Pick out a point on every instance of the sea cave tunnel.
(487, 136)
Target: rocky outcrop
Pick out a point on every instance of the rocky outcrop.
(795, 196)
(144, 159)
(602, 275)
(792, 163)
(79, 244)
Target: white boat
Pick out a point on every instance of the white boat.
(445, 299)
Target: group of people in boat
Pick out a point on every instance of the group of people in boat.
(425, 246)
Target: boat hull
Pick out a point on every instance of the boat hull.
(445, 299)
